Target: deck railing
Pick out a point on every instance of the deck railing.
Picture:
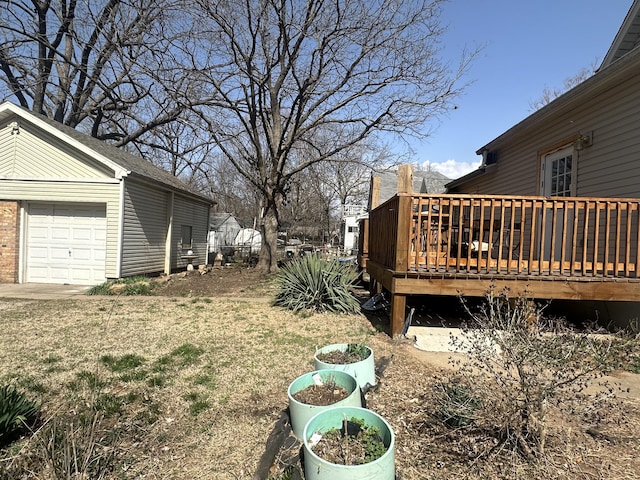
(507, 235)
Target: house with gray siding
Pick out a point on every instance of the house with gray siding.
(585, 143)
(76, 210)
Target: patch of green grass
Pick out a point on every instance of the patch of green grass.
(205, 380)
(126, 362)
(87, 378)
(32, 384)
(198, 403)
(137, 285)
(188, 352)
(149, 415)
(158, 381)
(131, 397)
(162, 363)
(197, 407)
(101, 289)
(109, 404)
(201, 300)
(134, 376)
(634, 367)
(51, 359)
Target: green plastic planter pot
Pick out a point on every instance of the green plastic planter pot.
(363, 371)
(300, 413)
(317, 468)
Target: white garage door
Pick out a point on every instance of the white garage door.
(66, 243)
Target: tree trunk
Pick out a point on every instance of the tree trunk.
(269, 230)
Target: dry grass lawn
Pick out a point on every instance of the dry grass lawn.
(190, 388)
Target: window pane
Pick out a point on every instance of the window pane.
(186, 238)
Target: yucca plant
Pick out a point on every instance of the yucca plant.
(16, 413)
(312, 283)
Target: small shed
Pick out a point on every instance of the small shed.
(223, 229)
(76, 210)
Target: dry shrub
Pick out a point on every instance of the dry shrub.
(522, 365)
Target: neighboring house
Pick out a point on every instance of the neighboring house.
(384, 185)
(223, 228)
(351, 216)
(76, 210)
(584, 143)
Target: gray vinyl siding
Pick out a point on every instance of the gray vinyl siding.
(195, 214)
(74, 192)
(28, 154)
(610, 167)
(145, 226)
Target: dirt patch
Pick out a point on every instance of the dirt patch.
(354, 444)
(229, 281)
(321, 395)
(339, 357)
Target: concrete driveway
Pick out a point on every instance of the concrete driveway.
(41, 291)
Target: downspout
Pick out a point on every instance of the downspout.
(120, 230)
(168, 240)
(22, 245)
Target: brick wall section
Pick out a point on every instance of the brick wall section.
(9, 234)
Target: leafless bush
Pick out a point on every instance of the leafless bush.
(67, 447)
(530, 364)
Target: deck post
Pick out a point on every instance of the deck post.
(398, 307)
(399, 301)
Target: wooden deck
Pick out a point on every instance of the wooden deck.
(542, 247)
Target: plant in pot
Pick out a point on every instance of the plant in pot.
(348, 443)
(315, 391)
(353, 358)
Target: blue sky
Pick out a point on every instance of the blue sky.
(527, 46)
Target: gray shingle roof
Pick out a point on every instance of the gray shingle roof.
(423, 182)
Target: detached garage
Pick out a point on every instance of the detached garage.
(78, 211)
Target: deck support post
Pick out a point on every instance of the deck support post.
(398, 307)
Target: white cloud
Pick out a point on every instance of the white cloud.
(452, 168)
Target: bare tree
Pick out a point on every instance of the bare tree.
(298, 74)
(111, 68)
(550, 94)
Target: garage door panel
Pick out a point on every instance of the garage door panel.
(38, 253)
(59, 274)
(38, 233)
(83, 234)
(81, 254)
(66, 243)
(60, 234)
(60, 254)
